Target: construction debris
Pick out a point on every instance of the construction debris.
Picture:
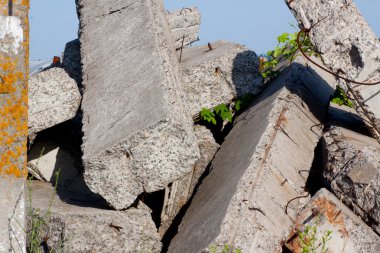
(53, 98)
(212, 77)
(256, 184)
(353, 172)
(337, 228)
(137, 136)
(348, 47)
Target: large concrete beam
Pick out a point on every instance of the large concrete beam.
(14, 66)
(252, 194)
(137, 135)
(348, 47)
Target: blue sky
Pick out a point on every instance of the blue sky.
(253, 23)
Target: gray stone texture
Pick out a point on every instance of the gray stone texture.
(262, 165)
(348, 233)
(71, 61)
(353, 172)
(212, 77)
(179, 192)
(137, 136)
(184, 25)
(348, 46)
(53, 98)
(13, 214)
(83, 225)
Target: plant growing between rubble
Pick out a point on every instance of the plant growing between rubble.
(309, 241)
(226, 249)
(340, 98)
(285, 50)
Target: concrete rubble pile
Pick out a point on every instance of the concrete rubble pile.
(121, 163)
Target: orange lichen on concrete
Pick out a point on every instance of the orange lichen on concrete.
(13, 115)
(14, 72)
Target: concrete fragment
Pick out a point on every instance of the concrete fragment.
(348, 46)
(353, 172)
(136, 135)
(179, 192)
(253, 191)
(184, 25)
(348, 233)
(77, 224)
(71, 61)
(212, 77)
(46, 158)
(53, 98)
(13, 214)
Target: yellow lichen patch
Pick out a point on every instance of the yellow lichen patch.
(13, 116)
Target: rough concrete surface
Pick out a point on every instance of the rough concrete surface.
(83, 225)
(212, 77)
(348, 233)
(353, 172)
(348, 46)
(13, 214)
(184, 25)
(246, 200)
(53, 98)
(137, 136)
(179, 192)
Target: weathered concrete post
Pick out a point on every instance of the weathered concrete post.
(14, 54)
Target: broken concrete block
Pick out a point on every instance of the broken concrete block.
(353, 172)
(212, 77)
(53, 98)
(13, 214)
(184, 25)
(326, 213)
(256, 184)
(71, 61)
(179, 192)
(348, 46)
(46, 158)
(137, 137)
(77, 224)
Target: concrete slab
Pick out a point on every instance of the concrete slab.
(53, 98)
(325, 213)
(353, 172)
(137, 136)
(184, 25)
(348, 46)
(253, 192)
(212, 77)
(13, 214)
(79, 224)
(179, 192)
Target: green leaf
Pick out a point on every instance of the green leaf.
(283, 38)
(208, 115)
(238, 105)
